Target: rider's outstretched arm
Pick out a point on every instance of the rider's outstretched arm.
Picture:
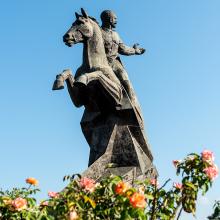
(125, 50)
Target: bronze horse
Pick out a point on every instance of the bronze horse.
(96, 87)
(94, 71)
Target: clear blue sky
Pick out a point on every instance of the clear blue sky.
(177, 83)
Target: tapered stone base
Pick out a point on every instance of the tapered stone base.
(124, 156)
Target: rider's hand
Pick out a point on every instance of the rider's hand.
(138, 50)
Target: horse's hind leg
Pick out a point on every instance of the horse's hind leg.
(76, 93)
(111, 88)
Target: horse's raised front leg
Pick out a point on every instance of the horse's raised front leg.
(60, 79)
(74, 93)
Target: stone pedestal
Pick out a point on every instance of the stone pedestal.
(126, 154)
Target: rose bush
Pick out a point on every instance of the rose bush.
(19, 204)
(112, 198)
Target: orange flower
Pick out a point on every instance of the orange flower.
(19, 204)
(121, 188)
(32, 181)
(137, 200)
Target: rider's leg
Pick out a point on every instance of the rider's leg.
(122, 75)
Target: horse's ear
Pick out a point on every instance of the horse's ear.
(77, 15)
(85, 15)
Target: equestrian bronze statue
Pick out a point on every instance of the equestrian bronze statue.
(112, 122)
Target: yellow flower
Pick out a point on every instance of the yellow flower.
(7, 201)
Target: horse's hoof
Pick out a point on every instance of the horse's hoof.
(58, 84)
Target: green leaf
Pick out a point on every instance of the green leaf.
(149, 196)
(191, 185)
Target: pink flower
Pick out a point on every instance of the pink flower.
(53, 194)
(211, 172)
(154, 182)
(176, 162)
(178, 186)
(73, 215)
(19, 204)
(87, 184)
(208, 156)
(44, 203)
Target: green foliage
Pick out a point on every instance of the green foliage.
(194, 179)
(216, 214)
(8, 211)
(112, 198)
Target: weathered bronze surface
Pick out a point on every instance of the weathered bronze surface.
(112, 122)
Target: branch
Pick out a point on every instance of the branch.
(179, 213)
(178, 206)
(155, 200)
(164, 185)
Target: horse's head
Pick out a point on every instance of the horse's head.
(80, 30)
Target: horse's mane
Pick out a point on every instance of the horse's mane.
(92, 18)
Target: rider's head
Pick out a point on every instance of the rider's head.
(108, 18)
